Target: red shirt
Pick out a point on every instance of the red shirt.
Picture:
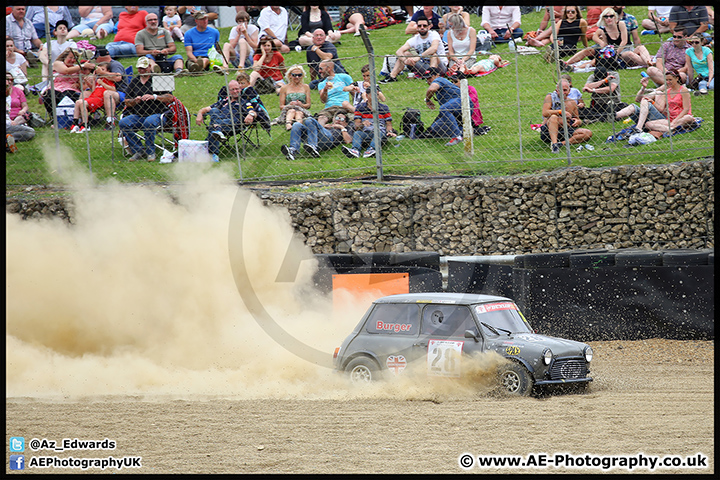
(128, 26)
(273, 68)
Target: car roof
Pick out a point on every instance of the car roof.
(442, 297)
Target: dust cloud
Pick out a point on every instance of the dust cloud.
(139, 297)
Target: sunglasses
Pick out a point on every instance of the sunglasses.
(678, 36)
(608, 16)
(296, 74)
(423, 26)
(696, 42)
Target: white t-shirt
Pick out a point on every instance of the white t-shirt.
(421, 44)
(57, 49)
(251, 29)
(277, 22)
(662, 11)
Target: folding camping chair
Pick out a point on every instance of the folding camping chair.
(174, 123)
(248, 134)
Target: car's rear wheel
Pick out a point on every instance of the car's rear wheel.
(362, 370)
(515, 379)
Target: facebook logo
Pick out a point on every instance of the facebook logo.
(17, 462)
(17, 444)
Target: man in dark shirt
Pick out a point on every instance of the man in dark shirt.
(321, 50)
(693, 19)
(143, 107)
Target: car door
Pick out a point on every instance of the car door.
(442, 339)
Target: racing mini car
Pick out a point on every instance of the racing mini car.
(438, 330)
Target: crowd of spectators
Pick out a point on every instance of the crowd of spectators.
(438, 46)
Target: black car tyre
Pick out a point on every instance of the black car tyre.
(362, 370)
(515, 379)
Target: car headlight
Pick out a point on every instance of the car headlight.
(588, 354)
(547, 356)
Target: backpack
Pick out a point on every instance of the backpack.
(411, 118)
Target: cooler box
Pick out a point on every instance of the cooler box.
(64, 112)
(193, 151)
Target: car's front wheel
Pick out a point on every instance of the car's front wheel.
(515, 379)
(362, 370)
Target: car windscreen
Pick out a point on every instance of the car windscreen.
(394, 319)
(504, 317)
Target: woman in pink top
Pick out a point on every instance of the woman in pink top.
(678, 108)
(66, 78)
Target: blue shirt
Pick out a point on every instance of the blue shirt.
(336, 96)
(201, 41)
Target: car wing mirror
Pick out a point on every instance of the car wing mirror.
(471, 334)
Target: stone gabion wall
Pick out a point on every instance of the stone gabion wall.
(665, 206)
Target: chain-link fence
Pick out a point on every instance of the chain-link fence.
(509, 139)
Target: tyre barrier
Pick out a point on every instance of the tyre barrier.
(588, 295)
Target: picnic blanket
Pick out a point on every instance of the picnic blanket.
(626, 133)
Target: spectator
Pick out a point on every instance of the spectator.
(570, 28)
(610, 39)
(574, 94)
(36, 16)
(604, 87)
(198, 40)
(428, 12)
(448, 122)
(461, 42)
(553, 124)
(172, 22)
(56, 46)
(593, 15)
(155, 43)
(242, 41)
(103, 56)
(15, 64)
(699, 60)
(130, 22)
(227, 116)
(545, 23)
(103, 95)
(96, 18)
(694, 19)
(335, 87)
(637, 54)
(294, 98)
(268, 65)
(189, 18)
(658, 20)
(273, 23)
(670, 56)
(496, 20)
(652, 106)
(16, 112)
(679, 110)
(429, 52)
(143, 108)
(354, 16)
(487, 65)
(360, 88)
(318, 138)
(311, 20)
(477, 118)
(66, 72)
(453, 10)
(365, 130)
(320, 50)
(23, 34)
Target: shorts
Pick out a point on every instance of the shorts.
(95, 101)
(653, 113)
(545, 133)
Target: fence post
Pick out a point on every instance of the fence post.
(373, 92)
(468, 133)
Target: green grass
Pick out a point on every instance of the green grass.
(510, 147)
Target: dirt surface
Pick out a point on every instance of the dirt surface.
(649, 398)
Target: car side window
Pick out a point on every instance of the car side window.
(446, 320)
(394, 319)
